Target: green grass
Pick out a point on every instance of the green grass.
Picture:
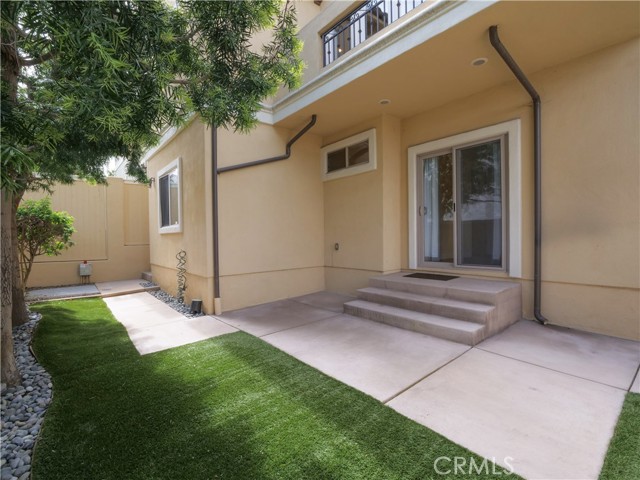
(623, 457)
(228, 407)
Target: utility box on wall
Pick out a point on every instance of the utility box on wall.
(86, 269)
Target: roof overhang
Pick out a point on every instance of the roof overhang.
(426, 62)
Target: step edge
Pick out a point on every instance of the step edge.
(444, 322)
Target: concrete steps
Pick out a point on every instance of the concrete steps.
(463, 310)
(459, 331)
(445, 307)
(147, 276)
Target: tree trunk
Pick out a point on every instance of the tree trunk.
(9, 370)
(20, 314)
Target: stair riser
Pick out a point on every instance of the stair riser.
(431, 291)
(469, 315)
(429, 307)
(458, 336)
(444, 291)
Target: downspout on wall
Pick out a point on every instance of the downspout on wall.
(215, 171)
(217, 304)
(537, 158)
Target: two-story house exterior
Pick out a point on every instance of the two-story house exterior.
(422, 159)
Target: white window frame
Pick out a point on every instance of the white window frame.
(511, 129)
(370, 136)
(174, 165)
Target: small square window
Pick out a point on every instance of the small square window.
(350, 156)
(169, 198)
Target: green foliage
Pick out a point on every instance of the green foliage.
(41, 231)
(83, 81)
(15, 164)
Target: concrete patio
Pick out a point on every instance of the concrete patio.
(543, 400)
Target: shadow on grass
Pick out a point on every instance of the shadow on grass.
(228, 407)
(117, 414)
(392, 445)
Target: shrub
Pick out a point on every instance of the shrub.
(41, 231)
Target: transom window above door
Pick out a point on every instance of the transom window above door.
(464, 201)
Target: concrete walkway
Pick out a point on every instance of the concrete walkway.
(154, 326)
(543, 400)
(151, 324)
(100, 289)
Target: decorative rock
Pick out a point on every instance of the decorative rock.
(6, 473)
(23, 407)
(20, 470)
(175, 303)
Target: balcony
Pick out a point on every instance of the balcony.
(360, 24)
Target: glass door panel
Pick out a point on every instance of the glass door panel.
(479, 229)
(436, 209)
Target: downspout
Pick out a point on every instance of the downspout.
(537, 159)
(214, 200)
(215, 171)
(277, 158)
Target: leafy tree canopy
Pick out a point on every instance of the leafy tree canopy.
(83, 81)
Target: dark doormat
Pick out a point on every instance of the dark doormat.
(431, 276)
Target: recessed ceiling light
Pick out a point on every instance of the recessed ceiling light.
(384, 101)
(479, 61)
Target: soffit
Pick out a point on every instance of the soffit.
(539, 35)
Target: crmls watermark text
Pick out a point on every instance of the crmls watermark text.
(471, 466)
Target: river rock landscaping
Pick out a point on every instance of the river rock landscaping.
(23, 407)
(173, 302)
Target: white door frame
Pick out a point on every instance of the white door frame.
(511, 129)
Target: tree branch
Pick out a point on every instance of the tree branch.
(29, 62)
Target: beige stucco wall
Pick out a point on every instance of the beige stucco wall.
(192, 146)
(111, 233)
(591, 167)
(362, 213)
(271, 218)
(279, 222)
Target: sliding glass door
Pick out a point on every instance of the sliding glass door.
(436, 208)
(461, 208)
(480, 204)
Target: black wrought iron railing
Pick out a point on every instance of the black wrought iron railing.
(363, 22)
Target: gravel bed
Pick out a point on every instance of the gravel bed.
(174, 303)
(22, 408)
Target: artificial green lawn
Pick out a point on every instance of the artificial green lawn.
(623, 458)
(228, 407)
